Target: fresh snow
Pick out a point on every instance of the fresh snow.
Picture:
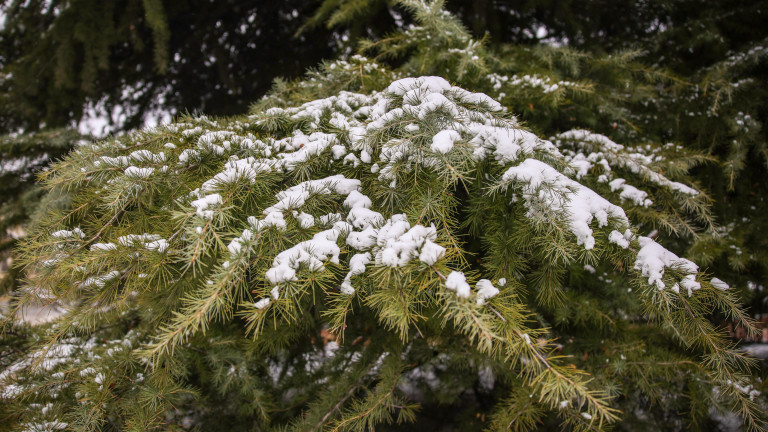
(485, 290)
(431, 252)
(443, 141)
(203, 204)
(421, 105)
(545, 187)
(152, 242)
(607, 153)
(64, 234)
(456, 281)
(622, 240)
(653, 259)
(717, 283)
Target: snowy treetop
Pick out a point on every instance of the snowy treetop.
(429, 125)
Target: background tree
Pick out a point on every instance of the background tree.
(22, 158)
(133, 57)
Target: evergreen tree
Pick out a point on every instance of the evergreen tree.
(132, 58)
(130, 61)
(703, 91)
(21, 158)
(367, 250)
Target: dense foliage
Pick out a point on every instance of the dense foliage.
(63, 60)
(370, 250)
(110, 67)
(70, 61)
(21, 158)
(689, 72)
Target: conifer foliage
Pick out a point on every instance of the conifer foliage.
(376, 248)
(21, 157)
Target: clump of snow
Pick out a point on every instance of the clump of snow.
(189, 155)
(747, 389)
(311, 253)
(103, 246)
(138, 173)
(544, 83)
(272, 219)
(100, 281)
(236, 170)
(398, 243)
(152, 242)
(443, 141)
(356, 267)
(430, 84)
(306, 146)
(236, 245)
(506, 143)
(65, 234)
(717, 283)
(261, 304)
(203, 204)
(46, 426)
(431, 252)
(356, 200)
(653, 259)
(485, 290)
(306, 220)
(295, 196)
(119, 161)
(457, 281)
(146, 156)
(630, 193)
(622, 240)
(546, 189)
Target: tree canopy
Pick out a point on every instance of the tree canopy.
(439, 232)
(134, 58)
